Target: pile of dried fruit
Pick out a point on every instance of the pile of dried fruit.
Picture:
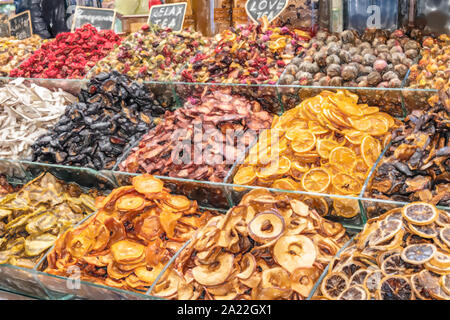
(125, 245)
(32, 218)
(201, 141)
(13, 52)
(433, 69)
(5, 187)
(154, 54)
(268, 247)
(27, 112)
(300, 14)
(111, 114)
(402, 255)
(377, 59)
(70, 56)
(247, 54)
(327, 144)
(416, 167)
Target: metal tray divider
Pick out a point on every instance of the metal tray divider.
(325, 271)
(168, 264)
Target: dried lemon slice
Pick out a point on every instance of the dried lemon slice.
(354, 293)
(359, 277)
(444, 234)
(343, 158)
(418, 287)
(285, 184)
(245, 176)
(445, 283)
(418, 253)
(428, 232)
(420, 213)
(394, 265)
(334, 284)
(303, 141)
(395, 288)
(316, 180)
(371, 282)
(370, 150)
(346, 184)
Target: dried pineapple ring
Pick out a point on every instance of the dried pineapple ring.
(420, 213)
(343, 158)
(370, 150)
(334, 284)
(418, 253)
(130, 202)
(354, 292)
(395, 288)
(316, 180)
(147, 184)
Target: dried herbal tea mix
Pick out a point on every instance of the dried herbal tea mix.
(32, 218)
(127, 243)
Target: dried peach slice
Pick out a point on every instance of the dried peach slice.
(334, 284)
(420, 213)
(127, 251)
(395, 288)
(179, 203)
(316, 180)
(146, 184)
(354, 292)
(370, 150)
(130, 202)
(418, 253)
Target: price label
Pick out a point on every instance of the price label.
(168, 15)
(102, 19)
(256, 9)
(20, 25)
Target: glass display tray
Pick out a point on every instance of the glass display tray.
(37, 284)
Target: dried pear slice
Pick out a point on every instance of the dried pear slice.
(130, 202)
(35, 245)
(41, 223)
(303, 280)
(127, 251)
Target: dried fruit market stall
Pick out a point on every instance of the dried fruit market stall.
(271, 161)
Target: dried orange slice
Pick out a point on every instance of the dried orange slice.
(293, 132)
(316, 128)
(346, 184)
(303, 141)
(371, 125)
(444, 234)
(359, 277)
(130, 202)
(316, 180)
(334, 284)
(354, 136)
(418, 253)
(300, 166)
(370, 150)
(343, 158)
(354, 292)
(395, 288)
(324, 147)
(268, 171)
(245, 175)
(285, 184)
(369, 110)
(346, 208)
(420, 213)
(147, 184)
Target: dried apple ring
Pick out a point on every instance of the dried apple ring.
(420, 213)
(303, 281)
(216, 273)
(266, 226)
(294, 251)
